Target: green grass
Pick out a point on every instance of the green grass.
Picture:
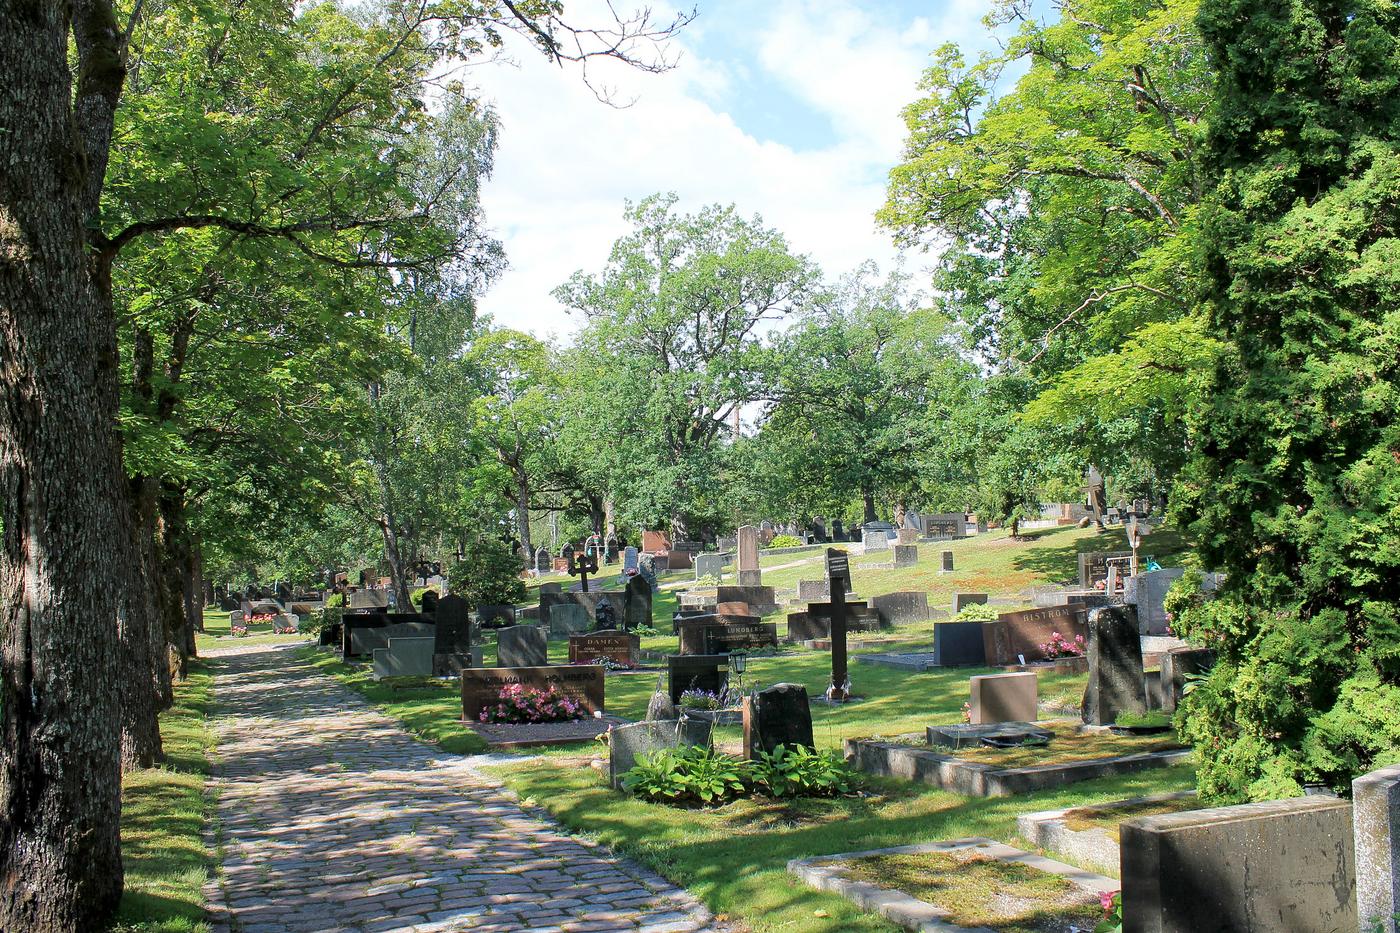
(980, 891)
(216, 633)
(734, 857)
(164, 811)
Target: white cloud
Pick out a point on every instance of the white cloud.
(567, 162)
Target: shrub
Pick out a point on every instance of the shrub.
(694, 774)
(517, 703)
(488, 573)
(800, 772)
(977, 612)
(699, 699)
(781, 541)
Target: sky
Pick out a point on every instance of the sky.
(789, 109)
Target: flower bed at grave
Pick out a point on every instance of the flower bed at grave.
(517, 703)
(699, 775)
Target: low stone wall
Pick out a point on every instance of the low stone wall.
(911, 763)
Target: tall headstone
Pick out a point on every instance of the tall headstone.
(947, 562)
(521, 646)
(629, 559)
(779, 715)
(838, 533)
(637, 606)
(906, 536)
(1375, 801)
(819, 530)
(838, 575)
(711, 565)
(749, 572)
(430, 601)
(542, 561)
(452, 634)
(1115, 666)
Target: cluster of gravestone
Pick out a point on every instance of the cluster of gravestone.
(778, 715)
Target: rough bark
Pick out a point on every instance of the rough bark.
(145, 679)
(61, 486)
(522, 513)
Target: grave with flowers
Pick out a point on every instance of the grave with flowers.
(545, 705)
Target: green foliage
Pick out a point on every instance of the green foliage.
(801, 772)
(488, 574)
(976, 612)
(782, 541)
(693, 774)
(1294, 486)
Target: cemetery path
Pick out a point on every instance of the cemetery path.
(332, 817)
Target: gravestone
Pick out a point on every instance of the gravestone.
(542, 561)
(429, 602)
(495, 616)
(1115, 666)
(629, 559)
(637, 604)
(696, 672)
(1283, 865)
(902, 607)
(363, 641)
(1093, 566)
(656, 542)
(962, 600)
(369, 599)
(521, 646)
(905, 555)
(727, 544)
(874, 539)
(749, 572)
(1003, 698)
(809, 590)
(966, 735)
(838, 533)
(779, 715)
(236, 617)
(946, 524)
(711, 565)
(615, 646)
(405, 657)
(568, 619)
(714, 634)
(660, 706)
(550, 588)
(947, 562)
(959, 644)
(583, 683)
(1178, 666)
(1376, 826)
(1017, 635)
(819, 530)
(646, 569)
(907, 536)
(627, 743)
(760, 599)
(452, 634)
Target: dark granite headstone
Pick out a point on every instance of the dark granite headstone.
(1115, 666)
(637, 603)
(962, 600)
(1178, 664)
(966, 735)
(453, 632)
(902, 607)
(1093, 566)
(959, 644)
(481, 686)
(947, 561)
(697, 672)
(495, 616)
(905, 555)
(521, 646)
(779, 715)
(429, 601)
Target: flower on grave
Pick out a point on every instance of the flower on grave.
(967, 712)
(516, 703)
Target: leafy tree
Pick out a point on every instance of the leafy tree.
(488, 574)
(1294, 486)
(671, 351)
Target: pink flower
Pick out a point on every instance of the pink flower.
(1106, 900)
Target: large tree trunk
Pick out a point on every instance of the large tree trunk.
(61, 501)
(522, 514)
(869, 500)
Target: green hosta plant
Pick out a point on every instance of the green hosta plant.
(977, 612)
(782, 541)
(687, 775)
(801, 772)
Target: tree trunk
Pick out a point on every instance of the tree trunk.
(61, 504)
(869, 499)
(522, 515)
(145, 677)
(1015, 528)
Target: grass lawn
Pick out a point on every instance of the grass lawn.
(164, 810)
(216, 633)
(980, 891)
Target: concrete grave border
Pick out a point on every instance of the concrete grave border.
(825, 874)
(1048, 829)
(910, 763)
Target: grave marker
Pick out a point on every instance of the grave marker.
(615, 646)
(481, 686)
(962, 600)
(696, 672)
(947, 562)
(1004, 698)
(779, 715)
(905, 555)
(749, 572)
(629, 742)
(838, 574)
(1115, 666)
(521, 646)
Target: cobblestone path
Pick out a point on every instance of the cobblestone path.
(334, 818)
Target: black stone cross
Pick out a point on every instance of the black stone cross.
(581, 565)
(838, 572)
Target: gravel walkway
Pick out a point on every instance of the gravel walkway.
(333, 818)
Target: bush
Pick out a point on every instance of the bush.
(694, 774)
(488, 574)
(781, 541)
(519, 704)
(800, 772)
(977, 612)
(697, 774)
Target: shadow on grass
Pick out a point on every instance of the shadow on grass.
(1059, 563)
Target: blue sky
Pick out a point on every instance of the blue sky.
(786, 108)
